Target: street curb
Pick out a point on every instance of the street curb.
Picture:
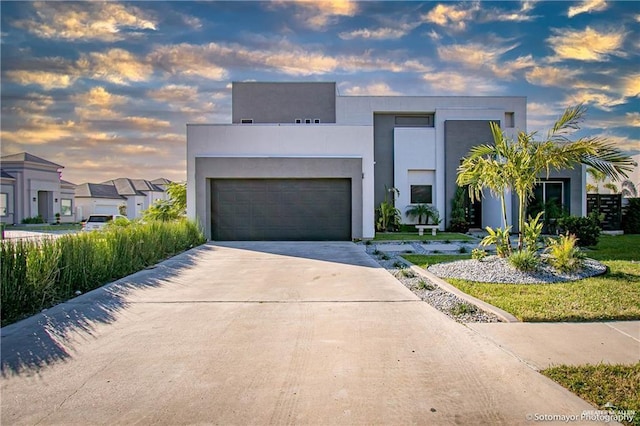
(503, 315)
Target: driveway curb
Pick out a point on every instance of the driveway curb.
(503, 315)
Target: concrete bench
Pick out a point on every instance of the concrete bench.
(421, 229)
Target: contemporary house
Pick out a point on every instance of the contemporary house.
(128, 197)
(31, 186)
(300, 162)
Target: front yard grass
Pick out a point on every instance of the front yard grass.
(603, 384)
(413, 236)
(612, 296)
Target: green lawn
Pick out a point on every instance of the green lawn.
(612, 296)
(601, 384)
(413, 236)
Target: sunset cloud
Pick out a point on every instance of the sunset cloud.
(587, 45)
(451, 16)
(84, 21)
(551, 76)
(374, 89)
(446, 83)
(45, 79)
(116, 66)
(587, 6)
(477, 56)
(319, 14)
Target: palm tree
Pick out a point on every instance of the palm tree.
(611, 187)
(419, 210)
(629, 190)
(597, 177)
(519, 164)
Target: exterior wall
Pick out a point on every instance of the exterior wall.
(31, 179)
(460, 137)
(67, 192)
(283, 102)
(8, 187)
(283, 151)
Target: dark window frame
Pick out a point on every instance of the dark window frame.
(421, 194)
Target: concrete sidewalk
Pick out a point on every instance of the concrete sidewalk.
(542, 345)
(264, 333)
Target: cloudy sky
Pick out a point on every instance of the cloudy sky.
(106, 89)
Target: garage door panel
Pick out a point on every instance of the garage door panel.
(281, 209)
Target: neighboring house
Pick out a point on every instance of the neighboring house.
(299, 162)
(124, 196)
(31, 186)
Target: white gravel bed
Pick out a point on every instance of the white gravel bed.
(498, 270)
(450, 304)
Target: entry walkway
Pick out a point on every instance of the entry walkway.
(264, 333)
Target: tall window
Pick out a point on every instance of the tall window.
(421, 194)
(548, 197)
(4, 203)
(66, 207)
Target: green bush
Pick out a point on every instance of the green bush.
(38, 274)
(524, 260)
(563, 253)
(631, 217)
(499, 237)
(586, 229)
(33, 220)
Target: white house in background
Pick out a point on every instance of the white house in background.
(124, 196)
(31, 186)
(299, 162)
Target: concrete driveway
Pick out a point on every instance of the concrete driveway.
(264, 333)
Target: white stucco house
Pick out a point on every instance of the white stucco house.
(300, 162)
(31, 186)
(125, 196)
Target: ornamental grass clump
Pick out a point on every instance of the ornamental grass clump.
(524, 260)
(38, 274)
(564, 255)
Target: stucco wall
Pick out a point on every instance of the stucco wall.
(281, 151)
(265, 102)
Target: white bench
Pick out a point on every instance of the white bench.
(421, 229)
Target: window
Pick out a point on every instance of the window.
(316, 120)
(421, 194)
(4, 203)
(246, 121)
(307, 121)
(65, 207)
(422, 120)
(509, 119)
(298, 120)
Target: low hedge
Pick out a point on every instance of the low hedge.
(38, 274)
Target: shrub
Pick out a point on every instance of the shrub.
(499, 237)
(585, 229)
(631, 217)
(463, 308)
(563, 253)
(524, 260)
(38, 274)
(33, 220)
(463, 250)
(407, 273)
(478, 254)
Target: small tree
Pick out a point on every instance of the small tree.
(171, 209)
(420, 210)
(518, 164)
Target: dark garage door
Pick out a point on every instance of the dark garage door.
(281, 209)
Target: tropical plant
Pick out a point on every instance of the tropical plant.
(629, 190)
(518, 165)
(420, 210)
(598, 177)
(564, 255)
(531, 232)
(458, 221)
(611, 187)
(478, 254)
(499, 237)
(524, 260)
(389, 217)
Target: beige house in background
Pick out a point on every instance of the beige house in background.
(128, 197)
(31, 186)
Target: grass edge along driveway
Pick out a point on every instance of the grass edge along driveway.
(612, 296)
